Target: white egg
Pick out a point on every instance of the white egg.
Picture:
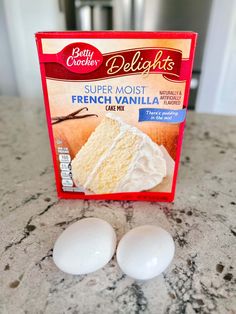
(85, 246)
(145, 252)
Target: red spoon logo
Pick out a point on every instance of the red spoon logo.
(80, 58)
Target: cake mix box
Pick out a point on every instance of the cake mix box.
(116, 106)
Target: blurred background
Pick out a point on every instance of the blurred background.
(213, 85)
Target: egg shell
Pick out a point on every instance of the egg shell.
(85, 246)
(145, 252)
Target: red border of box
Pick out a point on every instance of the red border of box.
(140, 196)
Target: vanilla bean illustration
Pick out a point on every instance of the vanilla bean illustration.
(73, 115)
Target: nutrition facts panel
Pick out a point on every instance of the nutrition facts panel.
(65, 167)
(65, 170)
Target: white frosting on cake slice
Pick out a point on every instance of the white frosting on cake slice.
(148, 167)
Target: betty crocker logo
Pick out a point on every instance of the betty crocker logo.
(81, 58)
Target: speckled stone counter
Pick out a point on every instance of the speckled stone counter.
(202, 220)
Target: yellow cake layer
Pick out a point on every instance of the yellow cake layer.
(116, 165)
(97, 145)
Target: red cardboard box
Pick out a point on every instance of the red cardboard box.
(116, 106)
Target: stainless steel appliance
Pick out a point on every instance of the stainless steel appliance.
(147, 15)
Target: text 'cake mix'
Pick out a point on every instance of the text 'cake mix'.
(116, 106)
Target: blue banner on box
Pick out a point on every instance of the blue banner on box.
(162, 115)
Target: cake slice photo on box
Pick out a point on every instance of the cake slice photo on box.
(118, 157)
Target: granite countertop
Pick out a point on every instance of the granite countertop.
(202, 220)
